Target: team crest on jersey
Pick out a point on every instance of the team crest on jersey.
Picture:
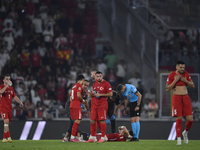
(79, 88)
(101, 88)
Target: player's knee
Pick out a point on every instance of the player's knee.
(92, 121)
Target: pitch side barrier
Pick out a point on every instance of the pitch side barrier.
(36, 130)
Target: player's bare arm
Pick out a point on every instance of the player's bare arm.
(170, 86)
(87, 107)
(104, 94)
(125, 105)
(5, 87)
(125, 131)
(80, 97)
(18, 100)
(115, 110)
(189, 83)
(139, 100)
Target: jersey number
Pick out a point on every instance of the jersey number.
(72, 94)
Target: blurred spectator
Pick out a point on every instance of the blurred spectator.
(26, 82)
(39, 110)
(79, 60)
(8, 38)
(30, 9)
(42, 50)
(153, 109)
(33, 81)
(18, 31)
(51, 85)
(169, 39)
(13, 75)
(60, 93)
(48, 36)
(37, 24)
(62, 80)
(71, 38)
(24, 115)
(24, 57)
(8, 20)
(34, 41)
(36, 98)
(99, 42)
(135, 79)
(8, 29)
(47, 114)
(102, 66)
(21, 90)
(61, 40)
(35, 61)
(73, 72)
(151, 94)
(111, 78)
(121, 71)
(192, 34)
(41, 92)
(64, 24)
(14, 14)
(29, 107)
(18, 78)
(4, 57)
(26, 24)
(146, 108)
(110, 59)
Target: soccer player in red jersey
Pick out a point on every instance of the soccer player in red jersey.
(121, 136)
(6, 94)
(101, 91)
(75, 106)
(181, 104)
(93, 76)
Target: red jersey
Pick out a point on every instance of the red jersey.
(115, 137)
(35, 60)
(103, 87)
(76, 102)
(171, 76)
(6, 98)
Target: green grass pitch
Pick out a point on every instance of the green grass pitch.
(141, 145)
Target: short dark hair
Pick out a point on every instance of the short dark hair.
(99, 72)
(80, 77)
(120, 88)
(94, 70)
(86, 80)
(180, 62)
(114, 96)
(6, 75)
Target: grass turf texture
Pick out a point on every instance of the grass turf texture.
(141, 145)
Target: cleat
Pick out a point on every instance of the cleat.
(134, 139)
(73, 140)
(4, 141)
(100, 141)
(178, 141)
(185, 136)
(90, 141)
(9, 140)
(65, 140)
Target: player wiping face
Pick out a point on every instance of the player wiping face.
(6, 80)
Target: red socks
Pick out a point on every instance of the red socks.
(8, 134)
(188, 125)
(74, 129)
(93, 129)
(4, 135)
(103, 130)
(178, 127)
(99, 124)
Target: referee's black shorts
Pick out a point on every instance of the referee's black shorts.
(134, 113)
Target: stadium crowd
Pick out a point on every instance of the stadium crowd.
(45, 44)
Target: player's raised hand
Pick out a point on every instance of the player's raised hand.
(9, 83)
(183, 79)
(177, 77)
